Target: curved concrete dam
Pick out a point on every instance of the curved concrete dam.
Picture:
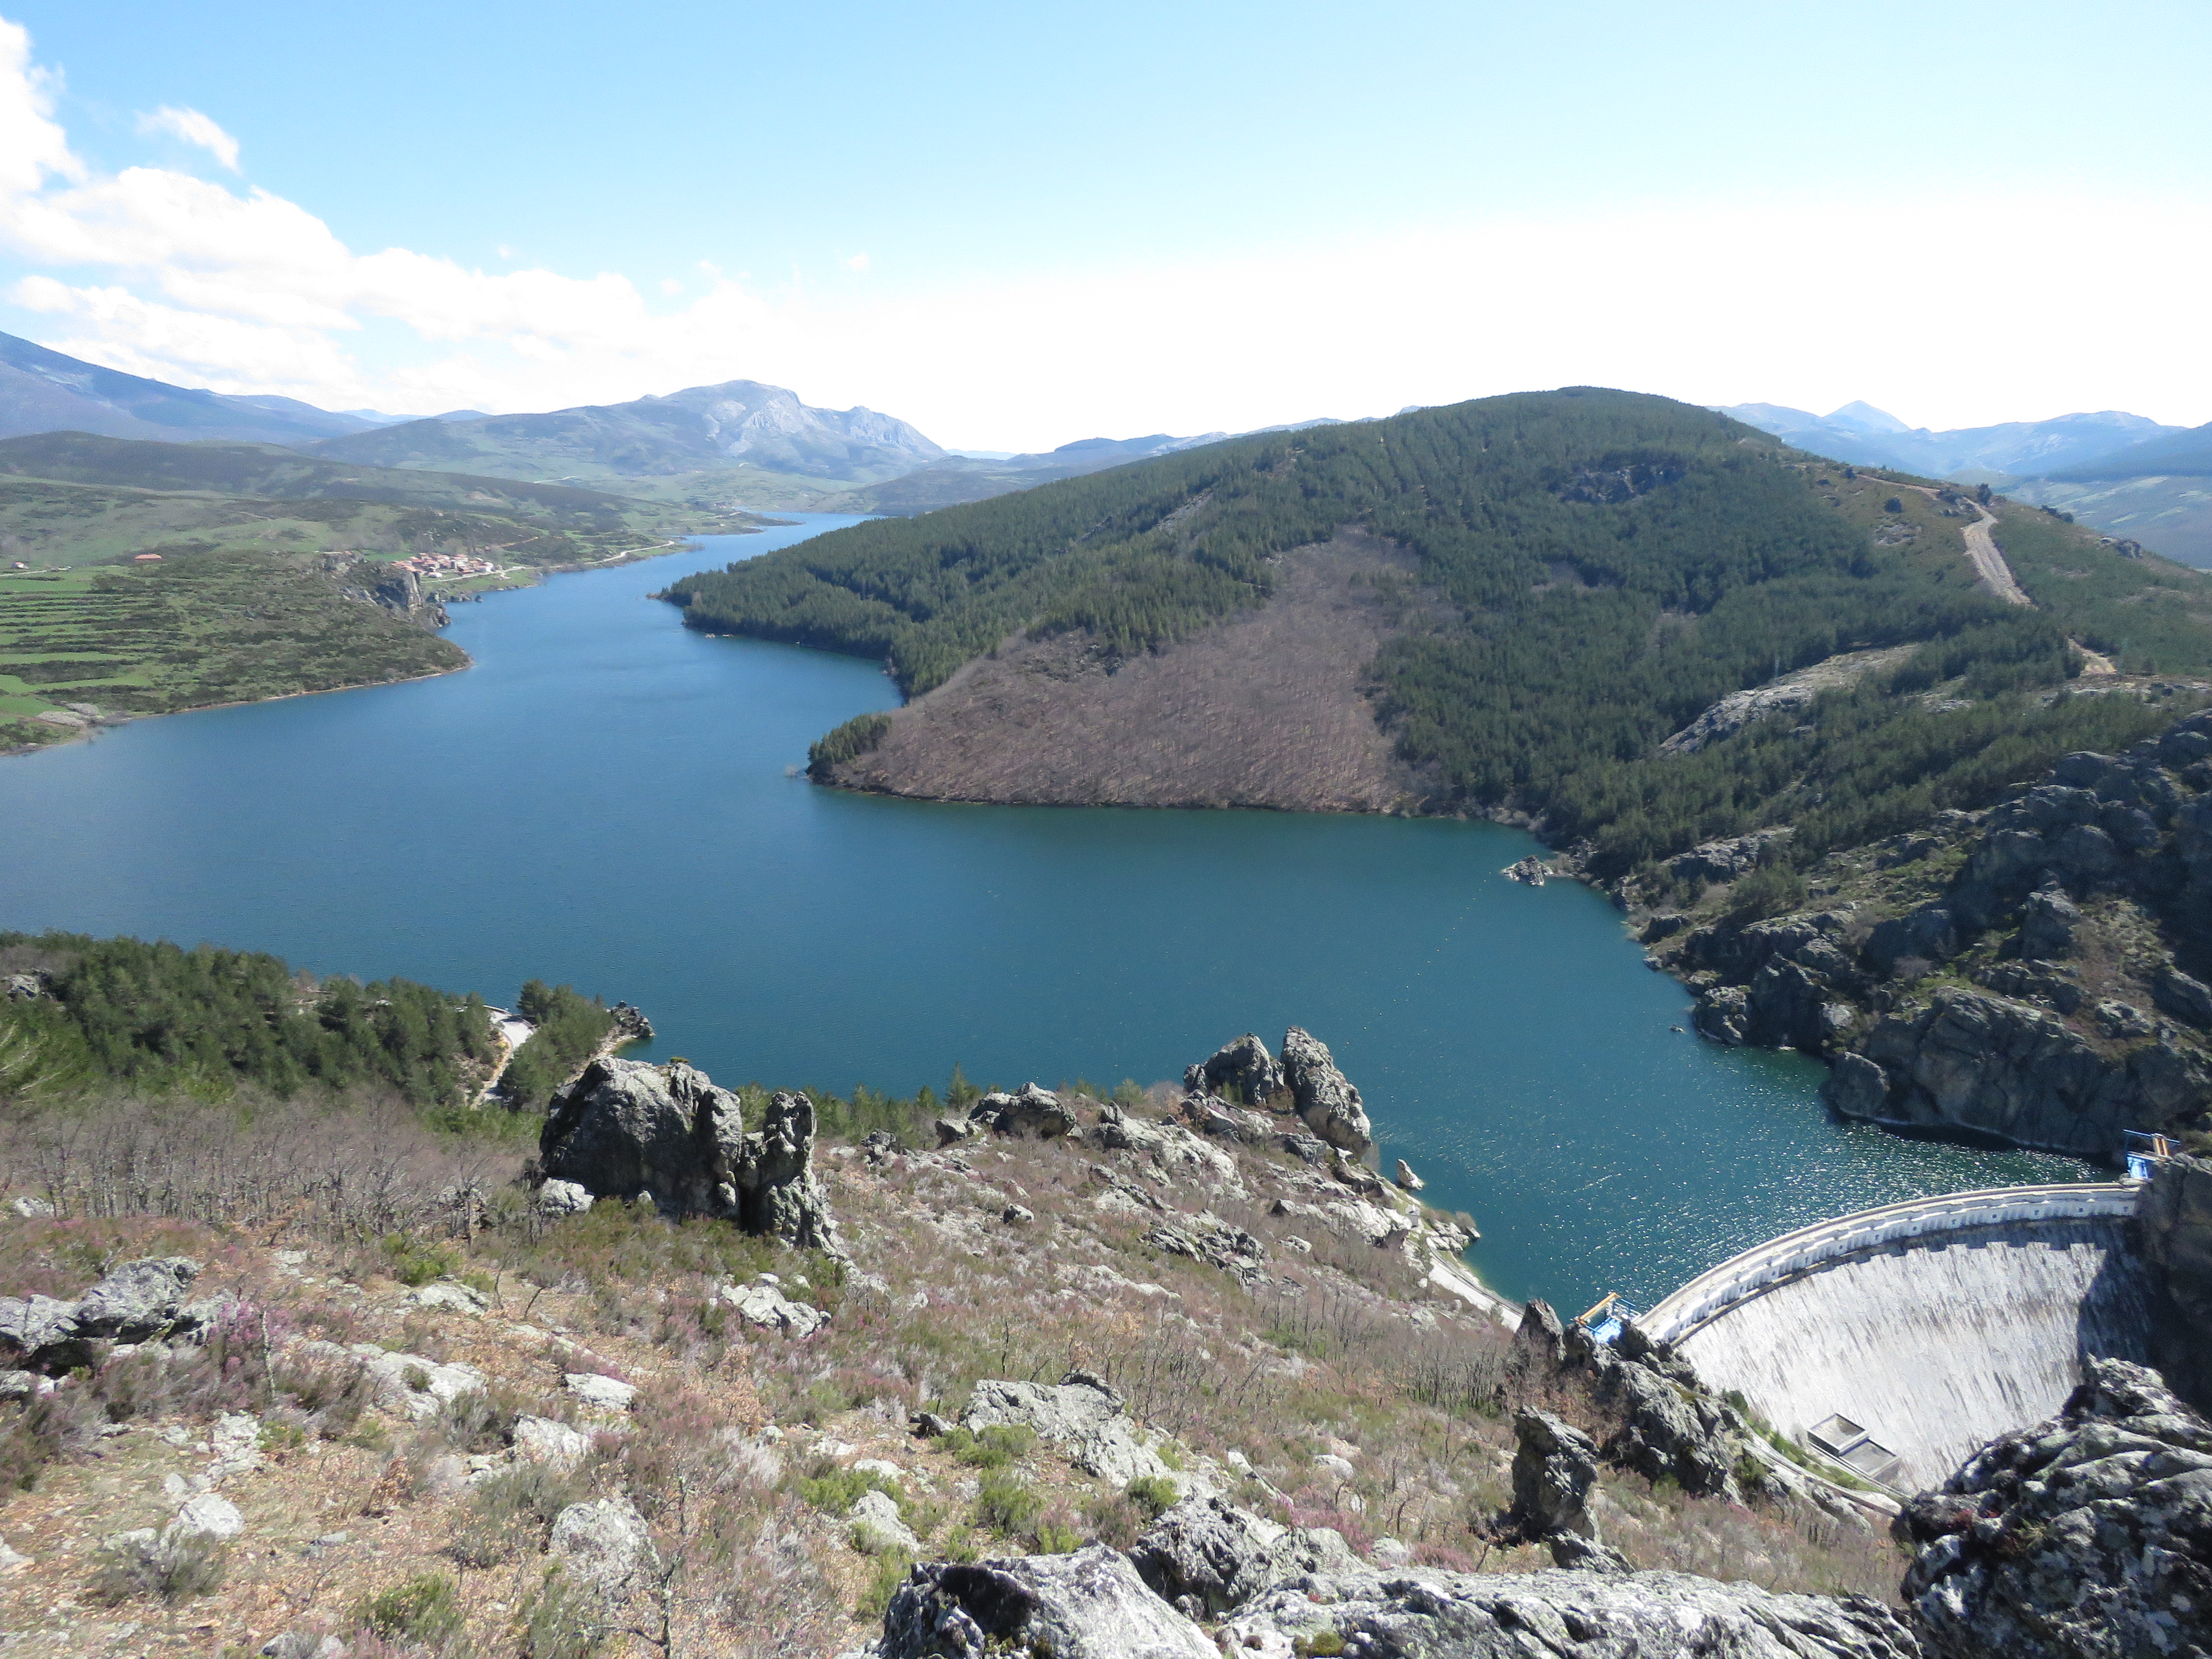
(1903, 1339)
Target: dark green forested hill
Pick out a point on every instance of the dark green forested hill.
(1609, 564)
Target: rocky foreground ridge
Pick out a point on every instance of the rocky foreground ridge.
(1041, 1373)
(2036, 971)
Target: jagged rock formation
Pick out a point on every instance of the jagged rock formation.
(2173, 1221)
(624, 1127)
(1669, 1425)
(1555, 1467)
(2080, 914)
(1206, 1556)
(1243, 1072)
(390, 588)
(1327, 1100)
(2089, 1535)
(142, 1301)
(1030, 1111)
(1090, 1605)
(1093, 1605)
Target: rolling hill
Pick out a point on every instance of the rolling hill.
(959, 478)
(45, 391)
(1552, 583)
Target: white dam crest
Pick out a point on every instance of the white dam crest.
(1923, 1329)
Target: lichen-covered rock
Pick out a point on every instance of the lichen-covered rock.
(1084, 1416)
(1421, 1614)
(1555, 1467)
(624, 1127)
(2089, 1535)
(1206, 1556)
(563, 1197)
(1327, 1102)
(1090, 1605)
(878, 1527)
(604, 1543)
(1243, 1072)
(2173, 1218)
(139, 1301)
(1209, 1239)
(766, 1306)
(1030, 1111)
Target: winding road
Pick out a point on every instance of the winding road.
(1982, 549)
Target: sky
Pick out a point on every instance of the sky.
(1018, 226)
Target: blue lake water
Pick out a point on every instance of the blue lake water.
(607, 800)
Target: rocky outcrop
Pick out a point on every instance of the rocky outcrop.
(1030, 1111)
(1555, 1467)
(1243, 1072)
(2081, 913)
(142, 1301)
(1326, 1100)
(2089, 1534)
(1206, 1556)
(1784, 696)
(1090, 1605)
(1644, 1615)
(390, 588)
(625, 1128)
(1084, 1416)
(1976, 1061)
(2174, 1220)
(1093, 1605)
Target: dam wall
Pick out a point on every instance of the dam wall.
(1934, 1326)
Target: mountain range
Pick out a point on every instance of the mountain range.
(45, 391)
(2125, 474)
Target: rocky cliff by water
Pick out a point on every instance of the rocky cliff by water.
(2036, 971)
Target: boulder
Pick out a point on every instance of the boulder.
(624, 1127)
(766, 1306)
(603, 1543)
(2187, 1000)
(1424, 1615)
(1085, 1418)
(1030, 1111)
(605, 1394)
(1327, 1102)
(2047, 920)
(209, 1513)
(1206, 1556)
(1209, 1239)
(1243, 1072)
(563, 1197)
(405, 1382)
(1090, 1605)
(1407, 1180)
(1540, 1339)
(2090, 1533)
(543, 1440)
(31, 1209)
(452, 1296)
(139, 1300)
(876, 1528)
(1554, 1468)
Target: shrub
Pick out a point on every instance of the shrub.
(992, 1447)
(1772, 891)
(425, 1610)
(513, 1512)
(1116, 1519)
(560, 1620)
(889, 1572)
(1006, 1504)
(1155, 1494)
(415, 1261)
(168, 1567)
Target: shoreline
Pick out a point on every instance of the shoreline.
(85, 732)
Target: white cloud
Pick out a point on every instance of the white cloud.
(166, 274)
(857, 263)
(195, 129)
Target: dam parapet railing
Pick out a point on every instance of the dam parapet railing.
(1718, 1289)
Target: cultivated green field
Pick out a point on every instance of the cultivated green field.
(198, 630)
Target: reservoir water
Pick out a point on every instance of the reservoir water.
(609, 801)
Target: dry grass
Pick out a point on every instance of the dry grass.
(1340, 1352)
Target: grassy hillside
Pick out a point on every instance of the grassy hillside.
(1609, 566)
(197, 629)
